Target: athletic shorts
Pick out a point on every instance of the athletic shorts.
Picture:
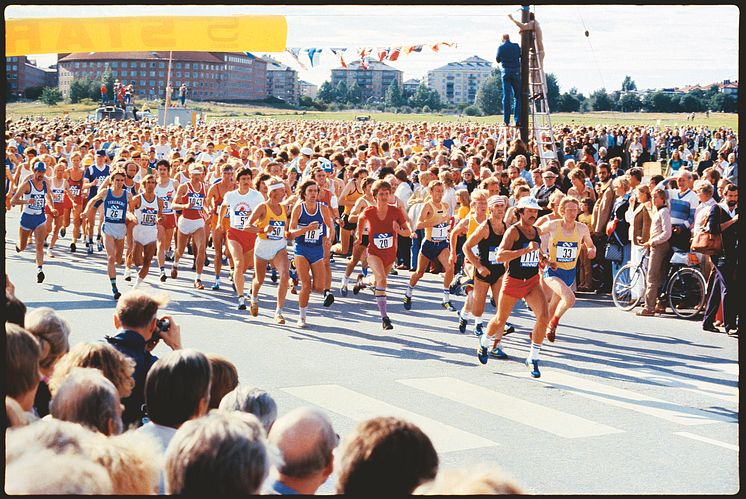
(225, 223)
(567, 276)
(189, 226)
(311, 253)
(364, 240)
(246, 239)
(519, 288)
(267, 249)
(31, 222)
(145, 234)
(496, 271)
(346, 224)
(60, 207)
(431, 250)
(169, 221)
(98, 203)
(117, 231)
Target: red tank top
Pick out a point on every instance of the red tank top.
(382, 238)
(197, 199)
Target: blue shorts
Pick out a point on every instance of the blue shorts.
(31, 222)
(567, 276)
(311, 253)
(431, 250)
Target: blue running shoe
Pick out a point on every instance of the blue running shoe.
(273, 276)
(461, 324)
(479, 330)
(448, 306)
(408, 302)
(89, 248)
(498, 353)
(533, 367)
(483, 354)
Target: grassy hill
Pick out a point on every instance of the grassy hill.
(215, 110)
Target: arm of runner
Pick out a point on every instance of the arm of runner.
(159, 217)
(211, 198)
(344, 195)
(511, 236)
(50, 202)
(24, 189)
(89, 207)
(469, 245)
(361, 223)
(256, 215)
(424, 221)
(179, 194)
(585, 236)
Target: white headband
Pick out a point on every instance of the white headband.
(274, 187)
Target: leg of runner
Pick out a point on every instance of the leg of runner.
(505, 304)
(56, 225)
(465, 312)
(562, 299)
(260, 271)
(181, 241)
(199, 240)
(422, 264)
(76, 226)
(479, 295)
(538, 303)
(40, 233)
(148, 253)
(282, 264)
(308, 277)
(357, 253)
(241, 263)
(325, 278)
(447, 278)
(218, 237)
(66, 217)
(381, 272)
(130, 242)
(112, 249)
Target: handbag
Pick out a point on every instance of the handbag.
(613, 252)
(706, 242)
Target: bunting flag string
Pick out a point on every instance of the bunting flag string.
(364, 54)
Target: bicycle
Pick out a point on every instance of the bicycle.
(683, 289)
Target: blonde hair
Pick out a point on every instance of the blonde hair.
(463, 197)
(565, 201)
(556, 197)
(482, 481)
(479, 195)
(132, 459)
(621, 181)
(114, 365)
(51, 331)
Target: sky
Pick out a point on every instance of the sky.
(657, 45)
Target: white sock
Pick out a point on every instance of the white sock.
(446, 296)
(198, 278)
(464, 315)
(345, 280)
(534, 353)
(303, 312)
(477, 320)
(278, 311)
(408, 292)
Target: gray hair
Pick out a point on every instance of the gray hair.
(705, 186)
(52, 332)
(252, 400)
(88, 398)
(223, 453)
(60, 474)
(61, 437)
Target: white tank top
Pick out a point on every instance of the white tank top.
(147, 213)
(166, 194)
(37, 199)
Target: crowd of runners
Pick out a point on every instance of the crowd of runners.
(470, 202)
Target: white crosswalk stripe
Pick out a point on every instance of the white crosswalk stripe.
(358, 407)
(512, 408)
(700, 438)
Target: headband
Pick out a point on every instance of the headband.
(274, 187)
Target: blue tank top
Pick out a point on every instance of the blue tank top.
(93, 173)
(314, 237)
(115, 208)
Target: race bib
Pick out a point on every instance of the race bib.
(149, 217)
(197, 201)
(278, 230)
(567, 252)
(113, 213)
(166, 205)
(241, 216)
(383, 241)
(37, 201)
(313, 236)
(492, 255)
(75, 190)
(440, 232)
(58, 195)
(530, 260)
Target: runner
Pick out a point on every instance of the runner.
(359, 246)
(166, 192)
(383, 220)
(190, 199)
(116, 201)
(565, 237)
(239, 204)
(311, 226)
(522, 253)
(327, 197)
(94, 177)
(58, 222)
(351, 192)
(220, 225)
(75, 179)
(36, 196)
(271, 247)
(436, 221)
(147, 208)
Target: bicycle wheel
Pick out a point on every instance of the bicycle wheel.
(686, 292)
(628, 286)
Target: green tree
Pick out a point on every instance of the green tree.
(340, 93)
(489, 97)
(553, 90)
(630, 102)
(568, 103)
(723, 103)
(394, 96)
(421, 96)
(600, 100)
(434, 100)
(326, 92)
(628, 85)
(472, 111)
(354, 93)
(657, 102)
(33, 93)
(80, 89)
(51, 96)
(689, 103)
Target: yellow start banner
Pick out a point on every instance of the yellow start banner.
(145, 33)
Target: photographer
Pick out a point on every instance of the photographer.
(138, 331)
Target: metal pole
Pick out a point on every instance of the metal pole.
(168, 88)
(525, 44)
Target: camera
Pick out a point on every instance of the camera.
(161, 325)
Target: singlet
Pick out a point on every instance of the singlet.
(382, 237)
(525, 266)
(219, 201)
(131, 188)
(352, 196)
(76, 188)
(147, 213)
(473, 226)
(439, 232)
(197, 200)
(241, 206)
(115, 208)
(313, 237)
(58, 193)
(93, 173)
(563, 249)
(488, 247)
(166, 194)
(37, 199)
(277, 222)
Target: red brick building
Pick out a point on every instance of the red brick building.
(22, 73)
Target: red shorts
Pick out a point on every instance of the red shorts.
(519, 288)
(60, 207)
(169, 221)
(387, 257)
(244, 238)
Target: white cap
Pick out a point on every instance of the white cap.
(528, 202)
(307, 151)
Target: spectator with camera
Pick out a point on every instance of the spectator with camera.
(138, 331)
(683, 205)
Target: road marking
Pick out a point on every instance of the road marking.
(707, 440)
(724, 368)
(626, 399)
(515, 409)
(358, 407)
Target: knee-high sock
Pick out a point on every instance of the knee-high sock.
(381, 301)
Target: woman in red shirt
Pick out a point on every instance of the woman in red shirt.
(384, 221)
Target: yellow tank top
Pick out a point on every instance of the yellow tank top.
(563, 249)
(473, 225)
(278, 223)
(462, 212)
(353, 196)
(439, 232)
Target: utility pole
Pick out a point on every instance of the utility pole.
(525, 44)
(168, 88)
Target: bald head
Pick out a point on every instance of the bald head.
(306, 439)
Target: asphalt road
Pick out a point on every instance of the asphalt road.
(625, 404)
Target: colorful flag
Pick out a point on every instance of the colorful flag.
(382, 53)
(363, 63)
(313, 55)
(338, 52)
(394, 54)
(295, 52)
(435, 47)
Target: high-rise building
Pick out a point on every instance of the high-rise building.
(282, 81)
(410, 86)
(23, 73)
(308, 89)
(372, 81)
(458, 82)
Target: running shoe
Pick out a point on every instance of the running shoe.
(73, 248)
(273, 276)
(394, 271)
(224, 260)
(358, 285)
(448, 306)
(461, 324)
(174, 271)
(279, 319)
(163, 276)
(533, 367)
(216, 286)
(492, 301)
(198, 284)
(40, 276)
(498, 353)
(63, 231)
(254, 308)
(18, 250)
(407, 302)
(88, 248)
(483, 354)
(301, 322)
(207, 261)
(241, 303)
(509, 328)
(170, 254)
(386, 323)
(127, 274)
(194, 267)
(343, 289)
(50, 254)
(328, 299)
(100, 246)
(551, 333)
(209, 242)
(46, 244)
(116, 292)
(479, 330)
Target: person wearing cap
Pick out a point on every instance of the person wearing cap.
(190, 198)
(549, 178)
(304, 160)
(520, 250)
(36, 197)
(95, 176)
